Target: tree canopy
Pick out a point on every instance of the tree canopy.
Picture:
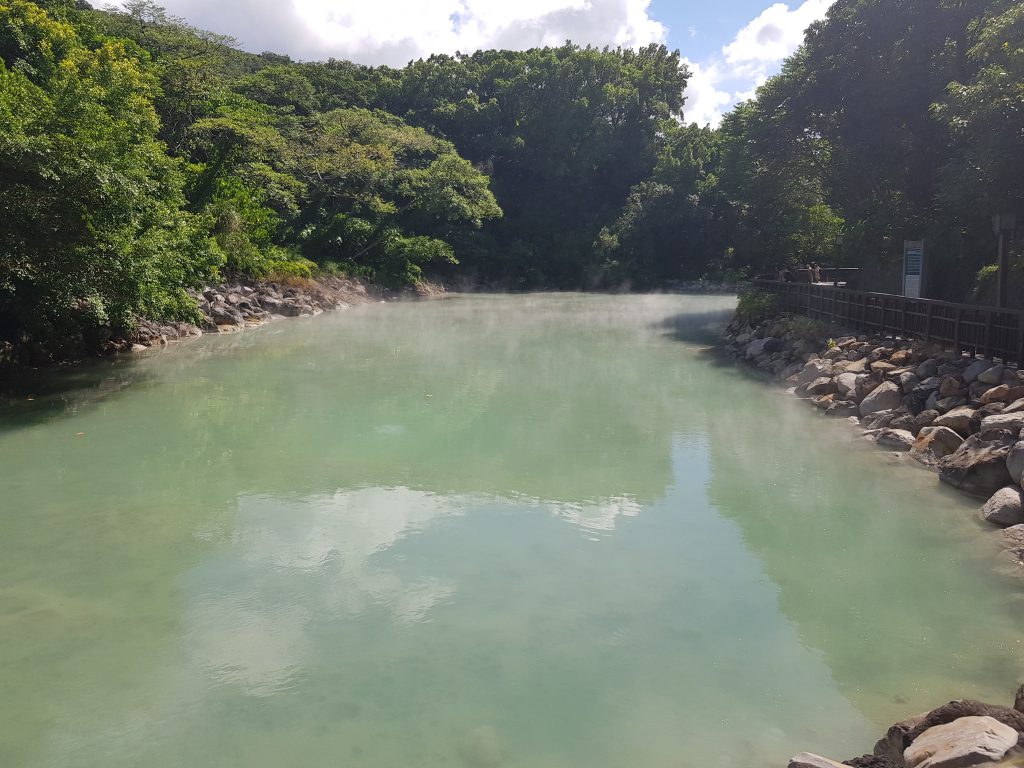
(141, 157)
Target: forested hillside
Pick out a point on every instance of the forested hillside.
(140, 157)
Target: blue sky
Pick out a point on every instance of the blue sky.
(731, 46)
(702, 29)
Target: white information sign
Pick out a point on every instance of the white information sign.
(913, 268)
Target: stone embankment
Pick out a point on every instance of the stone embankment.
(960, 734)
(235, 306)
(960, 417)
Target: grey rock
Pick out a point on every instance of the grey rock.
(1015, 462)
(958, 419)
(926, 418)
(1004, 507)
(930, 403)
(949, 386)
(907, 422)
(949, 403)
(842, 408)
(1003, 420)
(967, 741)
(866, 384)
(933, 443)
(821, 386)
(791, 370)
(975, 369)
(815, 369)
(993, 375)
(222, 314)
(885, 396)
(896, 439)
(897, 739)
(949, 369)
(978, 466)
(908, 382)
(846, 383)
(879, 420)
(983, 413)
(927, 369)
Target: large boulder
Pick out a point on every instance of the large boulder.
(866, 383)
(975, 369)
(878, 420)
(895, 439)
(948, 403)
(1004, 508)
(755, 348)
(821, 386)
(958, 419)
(897, 739)
(883, 366)
(928, 368)
(992, 376)
(1012, 421)
(983, 413)
(1015, 462)
(908, 381)
(933, 443)
(846, 383)
(907, 422)
(842, 408)
(1004, 393)
(815, 369)
(978, 466)
(1012, 540)
(967, 741)
(222, 314)
(884, 397)
(949, 386)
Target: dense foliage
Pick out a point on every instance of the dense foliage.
(897, 119)
(140, 157)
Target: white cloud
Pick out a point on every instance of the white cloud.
(397, 31)
(745, 63)
(774, 34)
(704, 101)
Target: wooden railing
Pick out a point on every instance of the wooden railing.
(979, 331)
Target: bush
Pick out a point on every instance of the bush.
(755, 305)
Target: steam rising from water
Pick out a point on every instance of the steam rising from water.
(517, 531)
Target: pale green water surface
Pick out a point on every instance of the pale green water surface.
(487, 531)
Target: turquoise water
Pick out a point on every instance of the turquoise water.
(486, 531)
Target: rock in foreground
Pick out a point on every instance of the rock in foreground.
(965, 742)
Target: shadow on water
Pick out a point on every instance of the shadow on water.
(33, 396)
(697, 327)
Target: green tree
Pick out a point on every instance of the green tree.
(95, 232)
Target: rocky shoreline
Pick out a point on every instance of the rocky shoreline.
(235, 306)
(959, 734)
(228, 307)
(960, 417)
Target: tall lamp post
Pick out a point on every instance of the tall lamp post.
(1003, 225)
